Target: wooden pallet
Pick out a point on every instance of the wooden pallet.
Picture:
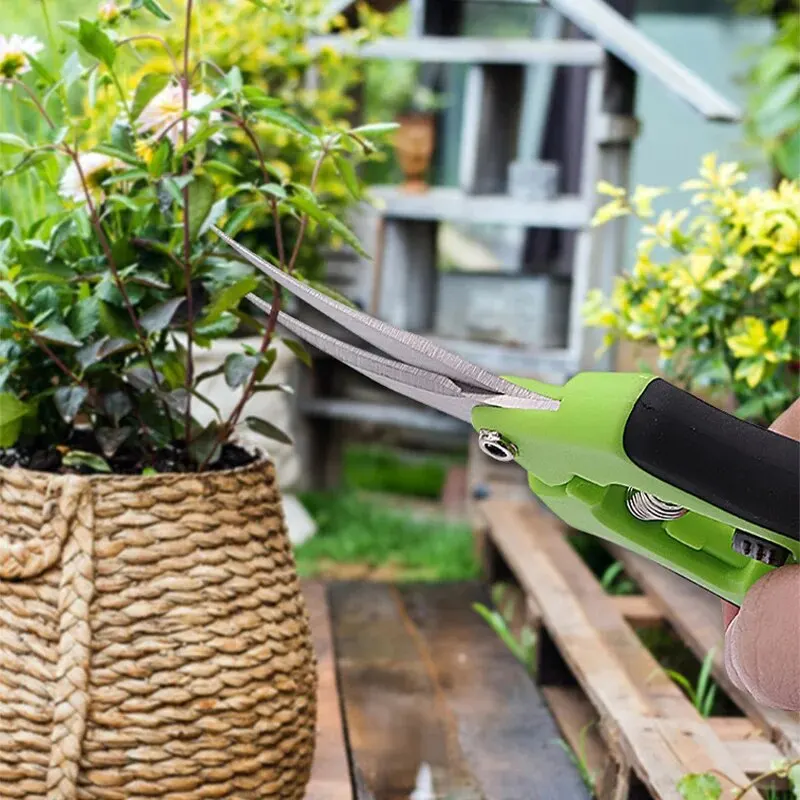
(638, 732)
(412, 676)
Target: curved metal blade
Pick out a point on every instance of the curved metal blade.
(408, 347)
(430, 388)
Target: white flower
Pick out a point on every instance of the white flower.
(109, 12)
(14, 52)
(96, 168)
(162, 116)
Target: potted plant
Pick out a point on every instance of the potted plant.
(155, 636)
(415, 139)
(715, 288)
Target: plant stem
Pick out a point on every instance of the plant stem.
(120, 284)
(187, 243)
(272, 321)
(153, 38)
(17, 82)
(305, 218)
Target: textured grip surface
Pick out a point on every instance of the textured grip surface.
(736, 466)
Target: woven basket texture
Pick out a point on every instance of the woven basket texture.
(154, 642)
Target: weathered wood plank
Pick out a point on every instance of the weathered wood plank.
(621, 37)
(425, 682)
(697, 617)
(659, 733)
(452, 205)
(639, 610)
(466, 50)
(330, 777)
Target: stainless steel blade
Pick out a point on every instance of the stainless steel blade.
(410, 348)
(416, 383)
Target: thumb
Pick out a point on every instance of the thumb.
(762, 642)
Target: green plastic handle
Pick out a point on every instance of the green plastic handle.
(578, 468)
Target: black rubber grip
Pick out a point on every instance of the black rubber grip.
(736, 466)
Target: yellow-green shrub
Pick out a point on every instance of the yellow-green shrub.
(716, 286)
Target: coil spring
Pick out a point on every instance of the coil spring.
(648, 507)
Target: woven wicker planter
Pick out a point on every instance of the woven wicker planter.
(153, 639)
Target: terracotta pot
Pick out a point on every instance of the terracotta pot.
(154, 639)
(414, 143)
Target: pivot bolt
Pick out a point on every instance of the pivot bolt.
(496, 446)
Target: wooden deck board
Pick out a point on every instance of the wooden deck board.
(425, 682)
(657, 730)
(697, 617)
(330, 777)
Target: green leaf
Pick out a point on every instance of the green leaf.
(41, 70)
(286, 121)
(159, 317)
(217, 212)
(752, 409)
(71, 70)
(794, 780)
(779, 96)
(115, 152)
(273, 387)
(206, 448)
(153, 7)
(347, 173)
(275, 190)
(78, 458)
(111, 439)
(258, 98)
(787, 157)
(700, 787)
(59, 333)
(68, 400)
(238, 369)
(202, 193)
(234, 80)
(13, 143)
(229, 298)
(148, 87)
(12, 411)
(221, 166)
(298, 350)
(240, 217)
(117, 405)
(96, 42)
(85, 317)
(206, 331)
(375, 129)
(205, 133)
(267, 429)
(94, 353)
(160, 161)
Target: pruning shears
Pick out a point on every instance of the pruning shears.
(627, 457)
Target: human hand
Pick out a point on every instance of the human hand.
(762, 639)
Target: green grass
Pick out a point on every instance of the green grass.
(374, 468)
(356, 531)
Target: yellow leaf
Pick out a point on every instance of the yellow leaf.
(642, 199)
(779, 329)
(751, 341)
(604, 187)
(761, 281)
(794, 267)
(608, 212)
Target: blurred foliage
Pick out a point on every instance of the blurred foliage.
(267, 42)
(381, 469)
(110, 281)
(353, 530)
(773, 118)
(718, 291)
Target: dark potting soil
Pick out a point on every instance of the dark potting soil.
(172, 458)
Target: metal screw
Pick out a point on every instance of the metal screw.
(496, 446)
(747, 544)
